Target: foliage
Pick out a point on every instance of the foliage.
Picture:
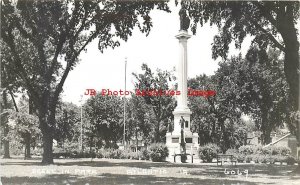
(271, 24)
(145, 154)
(120, 154)
(208, 152)
(67, 124)
(259, 154)
(45, 38)
(104, 115)
(158, 152)
(161, 105)
(216, 118)
(290, 160)
(140, 119)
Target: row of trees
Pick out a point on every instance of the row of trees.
(244, 86)
(43, 39)
(248, 86)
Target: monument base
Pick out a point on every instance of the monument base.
(173, 143)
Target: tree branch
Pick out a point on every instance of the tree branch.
(13, 99)
(275, 42)
(266, 12)
(9, 39)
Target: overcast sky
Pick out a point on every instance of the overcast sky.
(160, 49)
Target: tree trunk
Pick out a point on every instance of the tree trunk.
(27, 145)
(47, 133)
(4, 120)
(157, 136)
(6, 142)
(266, 136)
(265, 128)
(136, 140)
(291, 61)
(47, 147)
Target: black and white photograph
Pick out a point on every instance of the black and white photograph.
(138, 92)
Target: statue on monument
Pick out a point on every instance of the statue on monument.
(184, 20)
(182, 142)
(170, 126)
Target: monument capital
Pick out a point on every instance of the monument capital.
(183, 34)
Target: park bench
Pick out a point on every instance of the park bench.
(221, 158)
(175, 155)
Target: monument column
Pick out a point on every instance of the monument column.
(183, 36)
(182, 108)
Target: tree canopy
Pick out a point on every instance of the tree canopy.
(45, 38)
(271, 23)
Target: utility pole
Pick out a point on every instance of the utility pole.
(124, 122)
(81, 144)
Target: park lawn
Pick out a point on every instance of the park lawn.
(119, 171)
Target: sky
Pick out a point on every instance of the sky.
(160, 49)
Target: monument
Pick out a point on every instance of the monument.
(182, 113)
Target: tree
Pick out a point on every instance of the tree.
(5, 108)
(256, 89)
(26, 125)
(216, 118)
(67, 123)
(9, 85)
(272, 23)
(45, 39)
(140, 120)
(105, 115)
(162, 105)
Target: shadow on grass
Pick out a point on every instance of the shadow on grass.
(194, 170)
(64, 179)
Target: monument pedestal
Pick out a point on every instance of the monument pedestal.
(173, 144)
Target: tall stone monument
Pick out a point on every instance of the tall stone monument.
(173, 139)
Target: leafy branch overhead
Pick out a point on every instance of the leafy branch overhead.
(45, 38)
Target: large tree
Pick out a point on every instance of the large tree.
(45, 39)
(105, 116)
(26, 125)
(140, 120)
(67, 127)
(162, 105)
(216, 119)
(271, 23)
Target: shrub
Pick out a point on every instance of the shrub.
(250, 149)
(115, 153)
(246, 150)
(135, 155)
(283, 150)
(232, 151)
(248, 158)
(145, 154)
(267, 150)
(158, 152)
(256, 158)
(279, 158)
(290, 160)
(240, 157)
(208, 152)
(276, 150)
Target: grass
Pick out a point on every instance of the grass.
(121, 172)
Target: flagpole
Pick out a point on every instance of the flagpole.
(124, 121)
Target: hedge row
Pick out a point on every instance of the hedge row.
(157, 152)
(259, 154)
(248, 153)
